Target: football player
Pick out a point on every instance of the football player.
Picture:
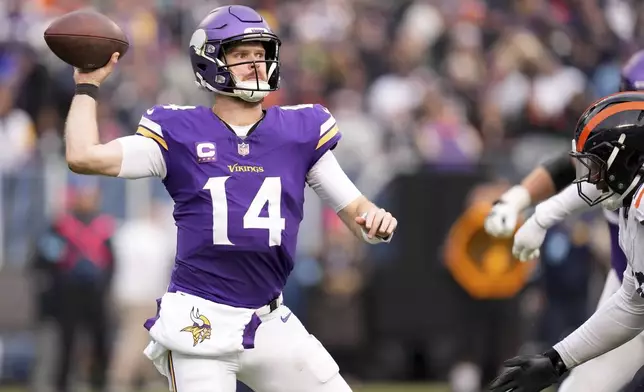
(237, 173)
(608, 151)
(613, 370)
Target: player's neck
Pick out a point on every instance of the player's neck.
(237, 112)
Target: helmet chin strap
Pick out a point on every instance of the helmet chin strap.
(254, 90)
(252, 95)
(246, 95)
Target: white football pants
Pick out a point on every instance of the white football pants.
(286, 358)
(611, 371)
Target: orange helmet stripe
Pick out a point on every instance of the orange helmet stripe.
(639, 198)
(603, 115)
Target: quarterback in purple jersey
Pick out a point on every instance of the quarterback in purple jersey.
(611, 371)
(237, 173)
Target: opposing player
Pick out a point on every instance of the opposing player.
(237, 173)
(611, 371)
(608, 149)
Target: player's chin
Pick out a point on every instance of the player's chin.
(247, 103)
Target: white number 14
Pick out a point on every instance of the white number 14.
(270, 192)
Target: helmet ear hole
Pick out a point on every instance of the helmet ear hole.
(202, 66)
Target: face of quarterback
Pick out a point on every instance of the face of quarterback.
(244, 52)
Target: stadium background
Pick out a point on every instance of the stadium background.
(442, 105)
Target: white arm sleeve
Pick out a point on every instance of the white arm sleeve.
(331, 183)
(142, 157)
(567, 202)
(616, 322)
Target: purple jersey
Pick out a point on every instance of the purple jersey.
(238, 201)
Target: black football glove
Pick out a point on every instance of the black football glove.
(529, 373)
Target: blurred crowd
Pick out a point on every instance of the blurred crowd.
(416, 85)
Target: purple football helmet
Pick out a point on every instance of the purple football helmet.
(233, 24)
(632, 77)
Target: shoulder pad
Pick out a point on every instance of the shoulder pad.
(329, 133)
(320, 121)
(156, 121)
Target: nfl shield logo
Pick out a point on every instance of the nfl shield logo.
(243, 149)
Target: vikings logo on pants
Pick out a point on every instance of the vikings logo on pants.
(200, 329)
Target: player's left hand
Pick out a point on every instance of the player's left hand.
(525, 373)
(377, 222)
(502, 218)
(528, 240)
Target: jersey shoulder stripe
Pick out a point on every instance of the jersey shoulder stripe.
(328, 136)
(328, 129)
(151, 130)
(637, 205)
(142, 131)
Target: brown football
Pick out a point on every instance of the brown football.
(85, 39)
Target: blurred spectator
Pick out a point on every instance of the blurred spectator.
(76, 258)
(17, 148)
(144, 247)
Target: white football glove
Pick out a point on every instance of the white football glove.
(528, 240)
(502, 219)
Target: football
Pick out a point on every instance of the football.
(85, 39)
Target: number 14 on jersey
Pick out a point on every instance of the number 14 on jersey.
(270, 192)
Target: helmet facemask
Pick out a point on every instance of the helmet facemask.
(590, 167)
(257, 89)
(214, 74)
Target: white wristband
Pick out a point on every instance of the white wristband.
(517, 196)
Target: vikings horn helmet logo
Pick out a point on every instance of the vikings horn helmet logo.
(200, 328)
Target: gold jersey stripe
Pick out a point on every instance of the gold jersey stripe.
(327, 136)
(147, 133)
(173, 377)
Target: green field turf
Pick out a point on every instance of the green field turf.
(402, 388)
